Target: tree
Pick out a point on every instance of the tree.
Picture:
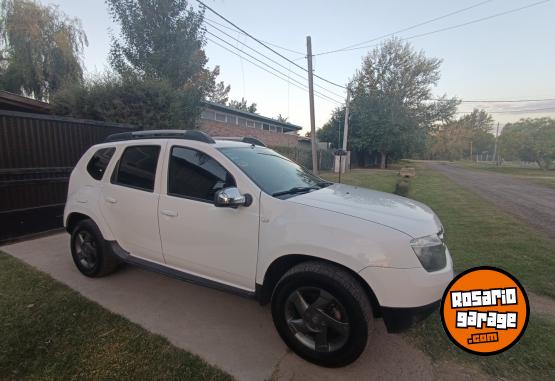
(392, 107)
(331, 132)
(219, 93)
(163, 40)
(452, 140)
(243, 106)
(282, 119)
(529, 140)
(40, 48)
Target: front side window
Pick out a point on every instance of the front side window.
(99, 162)
(137, 167)
(274, 174)
(194, 174)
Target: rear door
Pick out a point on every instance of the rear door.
(130, 199)
(220, 244)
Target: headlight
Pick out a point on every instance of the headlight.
(430, 251)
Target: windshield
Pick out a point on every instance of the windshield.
(273, 173)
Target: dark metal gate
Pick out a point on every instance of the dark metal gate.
(37, 154)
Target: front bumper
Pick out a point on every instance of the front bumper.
(399, 319)
(407, 296)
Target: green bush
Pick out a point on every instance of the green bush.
(151, 104)
(402, 187)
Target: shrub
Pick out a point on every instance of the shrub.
(151, 104)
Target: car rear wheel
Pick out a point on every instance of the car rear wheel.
(322, 313)
(90, 252)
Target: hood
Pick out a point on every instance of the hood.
(400, 213)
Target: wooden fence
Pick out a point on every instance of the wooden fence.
(37, 154)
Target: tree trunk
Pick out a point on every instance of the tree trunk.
(383, 161)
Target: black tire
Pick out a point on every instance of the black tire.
(98, 264)
(350, 306)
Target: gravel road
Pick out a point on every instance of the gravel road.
(532, 203)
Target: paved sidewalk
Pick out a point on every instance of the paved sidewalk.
(231, 332)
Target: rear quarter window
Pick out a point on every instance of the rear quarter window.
(99, 162)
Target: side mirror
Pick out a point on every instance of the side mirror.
(231, 198)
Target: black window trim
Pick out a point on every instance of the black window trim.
(116, 168)
(189, 197)
(107, 164)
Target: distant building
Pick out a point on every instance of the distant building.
(220, 120)
(216, 120)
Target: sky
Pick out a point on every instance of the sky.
(510, 57)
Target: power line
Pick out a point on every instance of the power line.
(446, 28)
(319, 95)
(260, 61)
(268, 58)
(266, 46)
(512, 111)
(407, 28)
(266, 42)
(498, 101)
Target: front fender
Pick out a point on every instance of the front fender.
(290, 228)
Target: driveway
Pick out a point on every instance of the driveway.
(231, 332)
(533, 203)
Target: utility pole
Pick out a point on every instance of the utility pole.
(346, 128)
(311, 100)
(471, 150)
(495, 146)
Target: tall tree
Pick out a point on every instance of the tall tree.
(393, 110)
(161, 39)
(40, 48)
(243, 105)
(530, 140)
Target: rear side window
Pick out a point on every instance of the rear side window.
(137, 167)
(99, 162)
(194, 174)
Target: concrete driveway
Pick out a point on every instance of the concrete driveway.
(231, 332)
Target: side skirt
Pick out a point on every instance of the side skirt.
(181, 275)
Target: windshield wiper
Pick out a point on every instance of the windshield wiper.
(295, 190)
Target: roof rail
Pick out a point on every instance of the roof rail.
(244, 139)
(161, 134)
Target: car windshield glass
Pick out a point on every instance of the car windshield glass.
(272, 172)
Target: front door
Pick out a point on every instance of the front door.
(130, 202)
(220, 244)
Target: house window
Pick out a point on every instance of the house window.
(250, 123)
(232, 119)
(258, 125)
(242, 122)
(220, 117)
(279, 129)
(208, 114)
(266, 127)
(273, 128)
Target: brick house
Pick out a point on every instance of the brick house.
(220, 120)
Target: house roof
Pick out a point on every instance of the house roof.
(250, 115)
(15, 102)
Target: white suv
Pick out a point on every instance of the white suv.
(239, 217)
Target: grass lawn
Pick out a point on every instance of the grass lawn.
(478, 233)
(50, 332)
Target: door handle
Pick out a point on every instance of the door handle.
(169, 213)
(110, 200)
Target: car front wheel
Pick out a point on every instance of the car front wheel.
(322, 313)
